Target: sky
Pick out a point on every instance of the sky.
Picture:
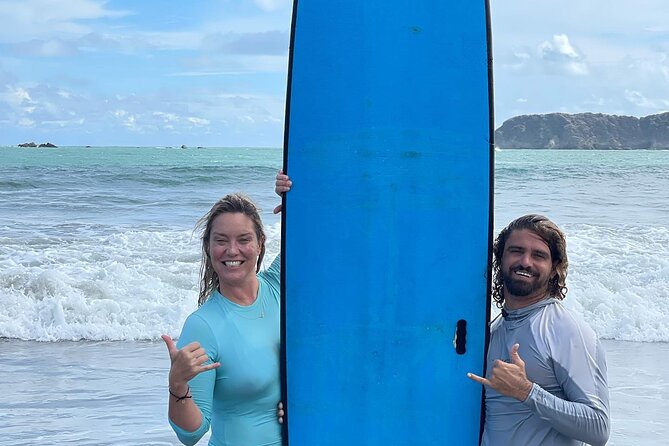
(213, 72)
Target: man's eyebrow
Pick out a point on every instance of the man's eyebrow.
(534, 250)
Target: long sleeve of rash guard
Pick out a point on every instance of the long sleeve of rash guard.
(580, 369)
(575, 420)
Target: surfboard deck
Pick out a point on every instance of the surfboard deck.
(386, 231)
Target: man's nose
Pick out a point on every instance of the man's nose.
(526, 260)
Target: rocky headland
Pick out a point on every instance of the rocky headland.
(584, 131)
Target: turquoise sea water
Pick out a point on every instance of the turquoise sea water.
(97, 252)
(98, 243)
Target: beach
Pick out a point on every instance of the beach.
(114, 393)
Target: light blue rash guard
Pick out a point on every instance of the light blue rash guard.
(569, 401)
(239, 398)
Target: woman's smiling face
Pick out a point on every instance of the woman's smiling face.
(234, 249)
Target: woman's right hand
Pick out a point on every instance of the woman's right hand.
(281, 186)
(280, 412)
(186, 363)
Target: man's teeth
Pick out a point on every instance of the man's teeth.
(524, 273)
(233, 263)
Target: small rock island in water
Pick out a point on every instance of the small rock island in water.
(32, 144)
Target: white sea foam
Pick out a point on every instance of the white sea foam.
(142, 283)
(127, 286)
(619, 280)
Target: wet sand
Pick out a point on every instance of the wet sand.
(114, 393)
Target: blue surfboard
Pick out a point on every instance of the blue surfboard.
(387, 229)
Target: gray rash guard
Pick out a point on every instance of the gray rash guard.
(569, 400)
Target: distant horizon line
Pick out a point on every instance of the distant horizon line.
(154, 146)
(496, 148)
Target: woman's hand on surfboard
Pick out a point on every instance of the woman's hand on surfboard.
(186, 363)
(279, 412)
(508, 378)
(281, 186)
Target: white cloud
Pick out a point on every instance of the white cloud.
(134, 103)
(125, 42)
(166, 117)
(273, 42)
(44, 48)
(654, 69)
(26, 122)
(26, 19)
(64, 123)
(213, 64)
(595, 17)
(6, 77)
(594, 102)
(620, 58)
(149, 115)
(577, 68)
(16, 96)
(20, 95)
(641, 101)
(562, 46)
(56, 47)
(660, 29)
(199, 122)
(185, 40)
(520, 60)
(559, 55)
(636, 98)
(128, 120)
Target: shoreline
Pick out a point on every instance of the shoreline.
(113, 392)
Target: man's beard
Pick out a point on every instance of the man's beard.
(524, 288)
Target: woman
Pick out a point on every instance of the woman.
(225, 368)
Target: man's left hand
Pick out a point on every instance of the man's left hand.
(508, 379)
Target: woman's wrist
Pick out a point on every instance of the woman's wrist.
(179, 397)
(180, 388)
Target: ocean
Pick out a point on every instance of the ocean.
(98, 258)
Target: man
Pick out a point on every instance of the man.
(546, 382)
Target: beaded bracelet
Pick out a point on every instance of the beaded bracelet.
(181, 398)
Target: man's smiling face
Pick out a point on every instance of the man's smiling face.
(527, 267)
